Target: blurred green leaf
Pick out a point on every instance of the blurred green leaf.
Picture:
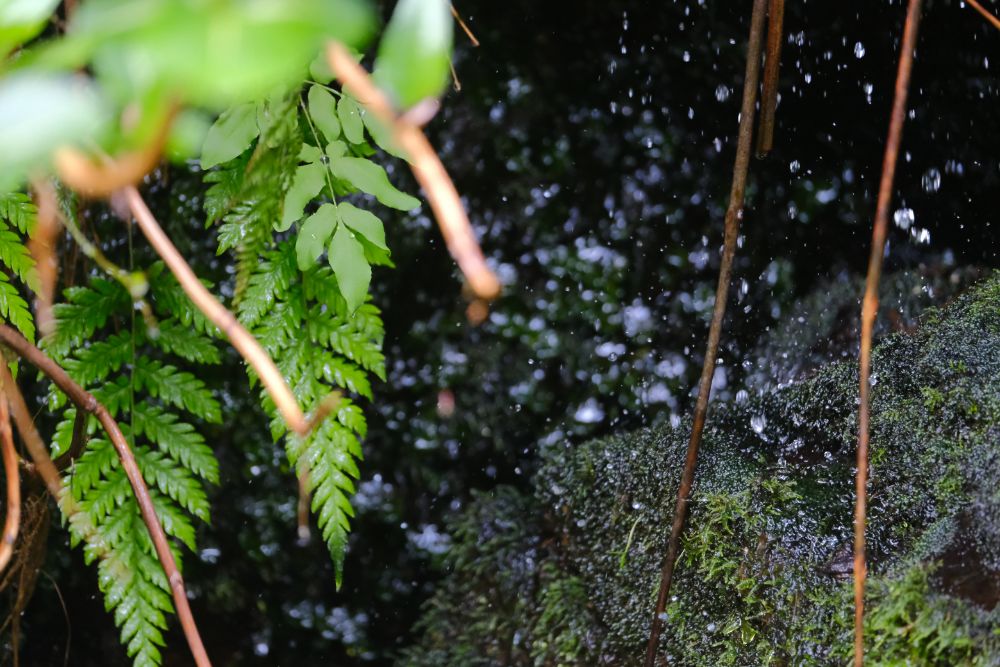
(40, 112)
(364, 223)
(306, 184)
(231, 134)
(323, 110)
(371, 178)
(314, 234)
(211, 53)
(20, 20)
(350, 120)
(415, 52)
(347, 258)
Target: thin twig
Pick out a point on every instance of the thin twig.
(468, 32)
(869, 312)
(733, 216)
(772, 65)
(218, 314)
(39, 452)
(103, 177)
(986, 13)
(427, 168)
(42, 245)
(13, 521)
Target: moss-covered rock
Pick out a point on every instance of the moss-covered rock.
(569, 576)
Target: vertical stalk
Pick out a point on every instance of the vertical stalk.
(772, 65)
(869, 311)
(733, 216)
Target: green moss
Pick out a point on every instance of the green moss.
(772, 509)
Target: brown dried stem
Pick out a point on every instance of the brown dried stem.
(869, 311)
(465, 28)
(428, 170)
(218, 314)
(772, 65)
(12, 523)
(733, 216)
(85, 401)
(986, 13)
(42, 245)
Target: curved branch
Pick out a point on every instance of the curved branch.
(733, 216)
(869, 312)
(427, 169)
(13, 521)
(219, 315)
(85, 401)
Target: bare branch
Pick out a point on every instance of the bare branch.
(733, 216)
(427, 168)
(85, 401)
(219, 315)
(993, 20)
(772, 65)
(42, 247)
(869, 312)
(13, 521)
(465, 28)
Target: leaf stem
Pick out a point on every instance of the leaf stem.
(733, 216)
(869, 312)
(427, 169)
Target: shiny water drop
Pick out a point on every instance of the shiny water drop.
(758, 423)
(722, 93)
(859, 50)
(904, 218)
(931, 180)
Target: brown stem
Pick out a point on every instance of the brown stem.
(13, 521)
(42, 245)
(77, 444)
(465, 28)
(428, 170)
(103, 177)
(733, 216)
(986, 13)
(218, 314)
(772, 65)
(869, 311)
(85, 401)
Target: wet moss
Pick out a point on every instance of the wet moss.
(761, 579)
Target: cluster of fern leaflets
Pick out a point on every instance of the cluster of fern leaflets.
(281, 214)
(133, 366)
(18, 215)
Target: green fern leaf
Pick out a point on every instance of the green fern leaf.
(18, 209)
(178, 388)
(14, 308)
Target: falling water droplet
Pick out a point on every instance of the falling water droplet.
(931, 180)
(722, 93)
(859, 50)
(758, 423)
(904, 218)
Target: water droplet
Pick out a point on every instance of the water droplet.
(931, 180)
(794, 166)
(758, 423)
(722, 93)
(904, 218)
(859, 50)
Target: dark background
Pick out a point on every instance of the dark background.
(593, 142)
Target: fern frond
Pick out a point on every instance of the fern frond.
(86, 310)
(174, 338)
(18, 209)
(15, 256)
(14, 308)
(148, 395)
(178, 388)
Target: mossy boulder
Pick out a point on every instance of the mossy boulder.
(568, 575)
